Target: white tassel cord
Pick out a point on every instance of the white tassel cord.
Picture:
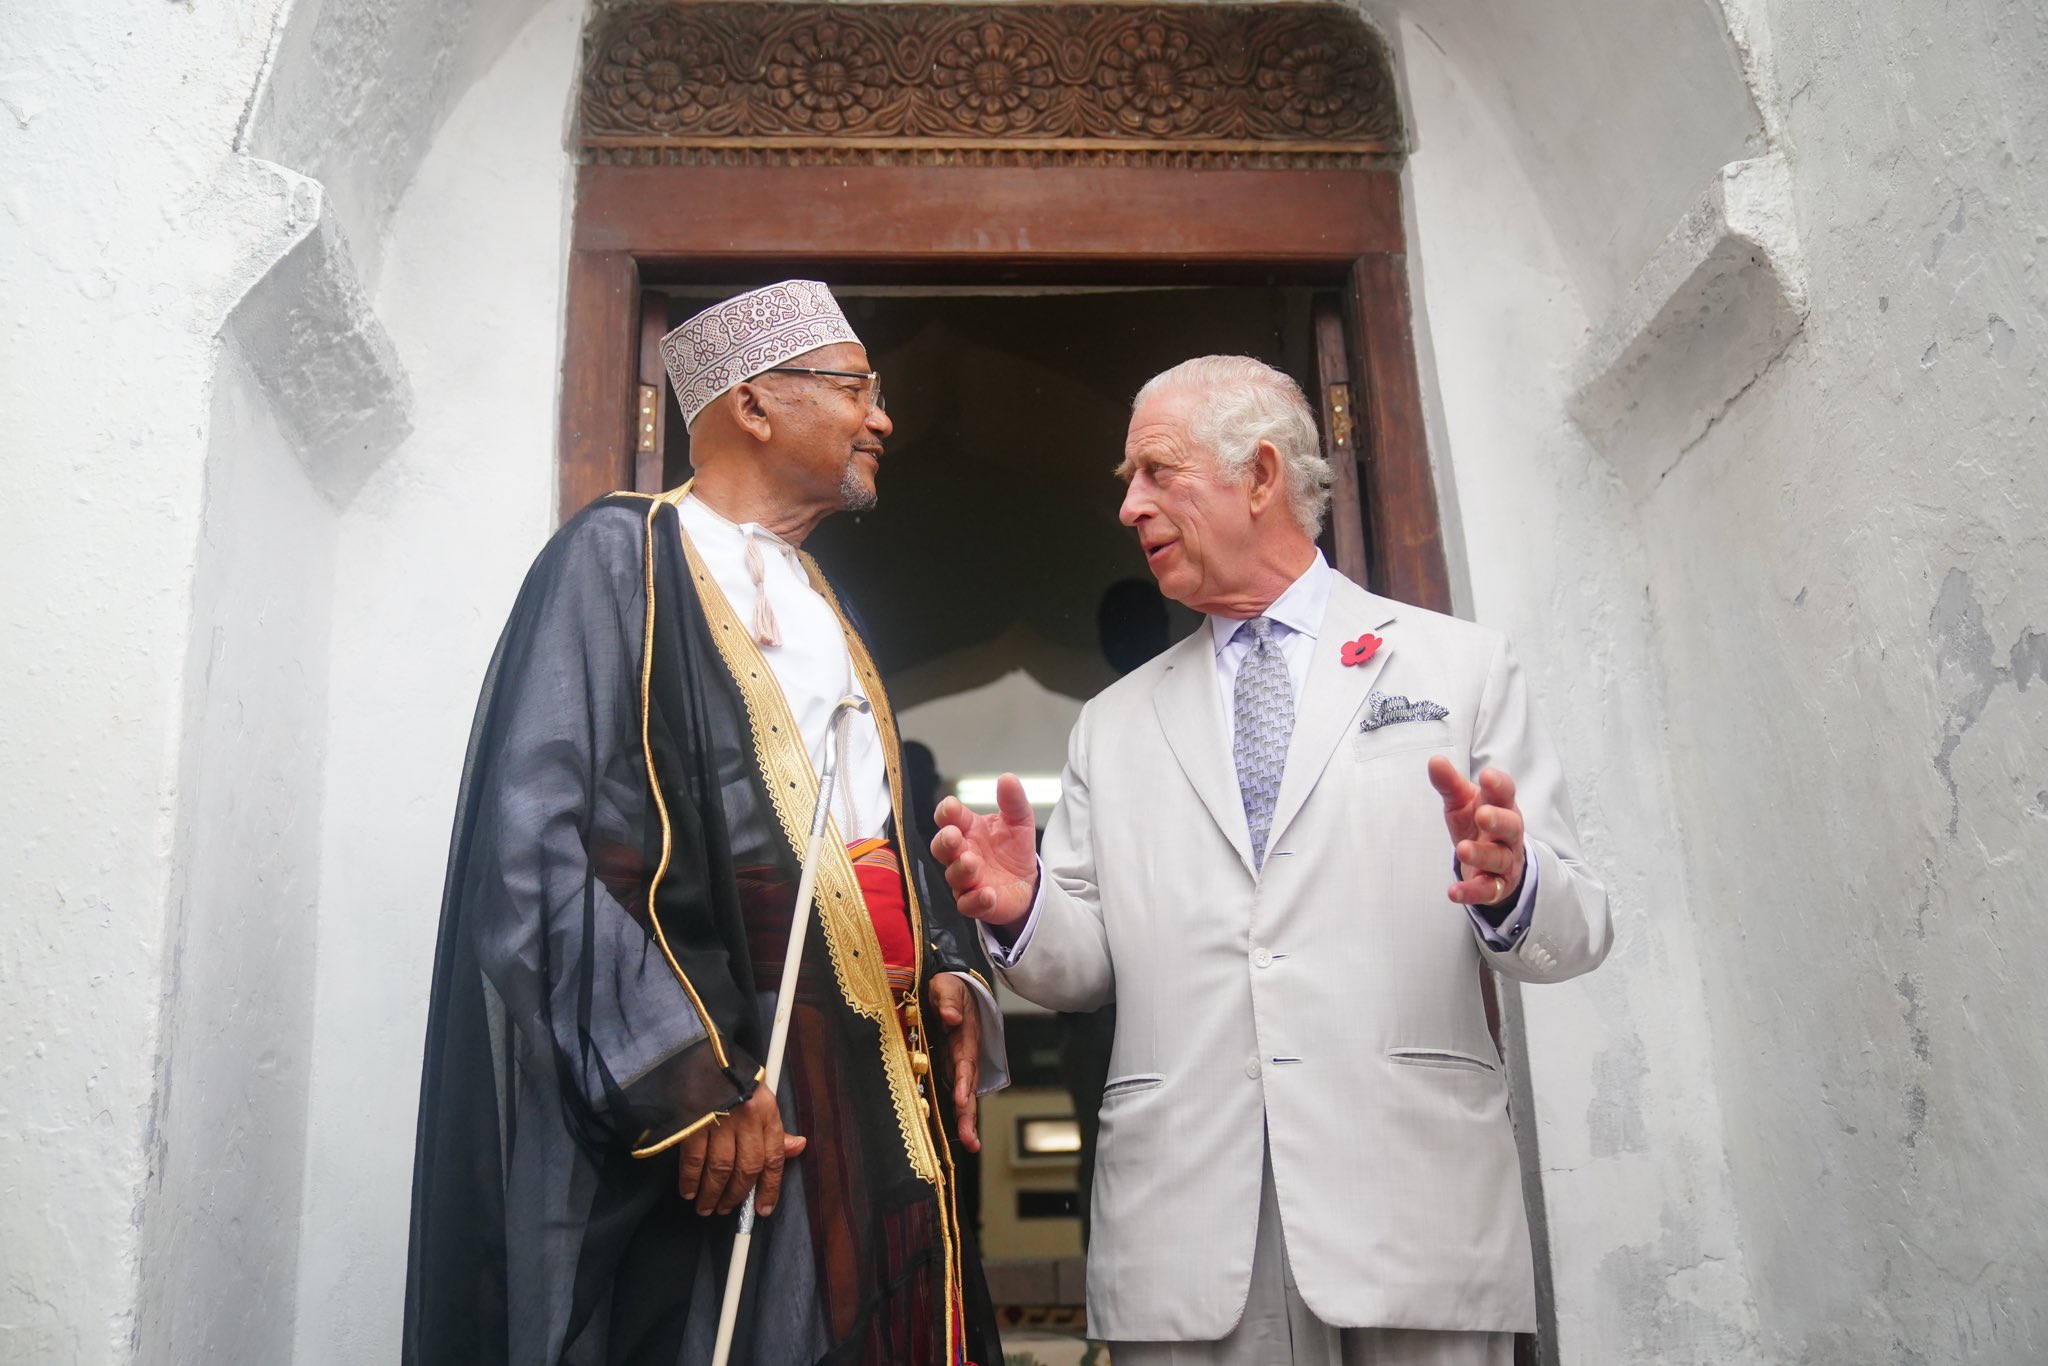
(766, 632)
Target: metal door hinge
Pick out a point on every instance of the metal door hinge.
(1340, 416)
(650, 410)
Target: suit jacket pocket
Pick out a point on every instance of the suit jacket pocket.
(1130, 1084)
(1400, 737)
(1440, 1057)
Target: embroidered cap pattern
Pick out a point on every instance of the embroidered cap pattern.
(748, 334)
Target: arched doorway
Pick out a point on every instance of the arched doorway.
(1029, 209)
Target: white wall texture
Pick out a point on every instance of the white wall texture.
(1792, 1120)
(1645, 1251)
(1615, 114)
(431, 553)
(1848, 581)
(124, 239)
(355, 90)
(1793, 674)
(168, 565)
(228, 1146)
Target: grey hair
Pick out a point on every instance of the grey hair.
(1239, 402)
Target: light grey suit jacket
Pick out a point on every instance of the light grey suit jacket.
(1331, 1001)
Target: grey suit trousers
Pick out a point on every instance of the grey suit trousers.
(1278, 1329)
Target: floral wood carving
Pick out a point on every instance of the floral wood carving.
(1275, 83)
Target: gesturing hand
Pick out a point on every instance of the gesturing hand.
(1487, 826)
(722, 1161)
(991, 861)
(955, 1002)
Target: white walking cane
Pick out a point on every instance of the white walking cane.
(785, 999)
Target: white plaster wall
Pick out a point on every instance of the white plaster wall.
(1616, 113)
(1644, 1244)
(356, 90)
(124, 239)
(167, 565)
(430, 555)
(1848, 581)
(221, 1238)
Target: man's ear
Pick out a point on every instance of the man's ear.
(749, 410)
(1267, 476)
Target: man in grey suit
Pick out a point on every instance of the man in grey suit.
(1305, 1152)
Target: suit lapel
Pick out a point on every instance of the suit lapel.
(1334, 692)
(1191, 714)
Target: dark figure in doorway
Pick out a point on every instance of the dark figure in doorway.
(1131, 624)
(923, 785)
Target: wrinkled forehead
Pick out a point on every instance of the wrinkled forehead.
(1159, 425)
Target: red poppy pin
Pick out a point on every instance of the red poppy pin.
(1359, 650)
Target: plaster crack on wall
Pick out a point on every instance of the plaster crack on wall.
(279, 19)
(1964, 659)
(1750, 32)
(1708, 430)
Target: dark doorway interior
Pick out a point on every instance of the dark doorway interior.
(999, 507)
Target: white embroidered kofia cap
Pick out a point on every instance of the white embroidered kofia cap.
(747, 335)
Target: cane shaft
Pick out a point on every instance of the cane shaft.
(799, 930)
(778, 1040)
(735, 1281)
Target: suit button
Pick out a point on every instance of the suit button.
(1251, 1069)
(1263, 958)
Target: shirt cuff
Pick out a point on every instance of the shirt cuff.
(995, 1052)
(1005, 957)
(1503, 934)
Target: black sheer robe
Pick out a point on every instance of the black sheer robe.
(619, 890)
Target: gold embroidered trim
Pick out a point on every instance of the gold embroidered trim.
(932, 1121)
(660, 805)
(855, 953)
(654, 1149)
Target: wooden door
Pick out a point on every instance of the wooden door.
(650, 417)
(1334, 370)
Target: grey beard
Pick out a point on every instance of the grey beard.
(855, 495)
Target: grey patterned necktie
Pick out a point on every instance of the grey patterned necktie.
(1262, 722)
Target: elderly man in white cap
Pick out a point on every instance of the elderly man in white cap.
(637, 802)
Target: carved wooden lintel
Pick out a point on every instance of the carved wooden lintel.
(1209, 84)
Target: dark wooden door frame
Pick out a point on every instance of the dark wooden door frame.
(636, 225)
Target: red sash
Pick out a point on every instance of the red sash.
(881, 885)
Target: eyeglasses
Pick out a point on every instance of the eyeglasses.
(871, 381)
